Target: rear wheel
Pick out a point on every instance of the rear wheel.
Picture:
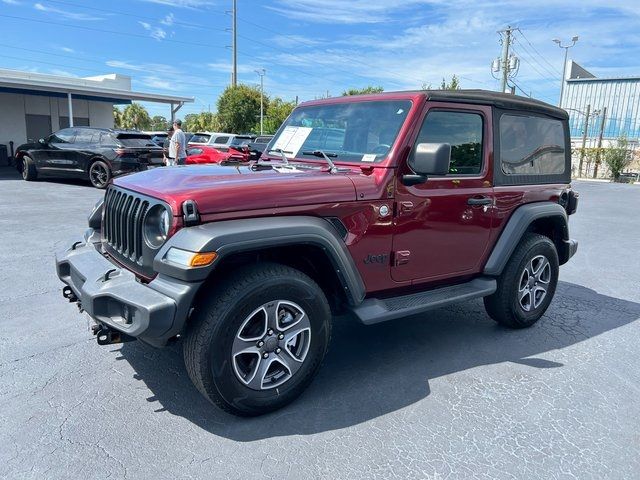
(29, 171)
(527, 284)
(99, 174)
(257, 341)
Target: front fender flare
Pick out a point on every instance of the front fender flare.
(245, 235)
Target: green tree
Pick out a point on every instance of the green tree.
(158, 122)
(117, 117)
(201, 122)
(239, 109)
(362, 91)
(454, 84)
(618, 157)
(277, 113)
(135, 117)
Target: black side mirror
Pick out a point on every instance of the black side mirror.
(428, 159)
(42, 141)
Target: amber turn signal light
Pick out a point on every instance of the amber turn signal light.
(203, 259)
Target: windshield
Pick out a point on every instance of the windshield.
(200, 138)
(354, 132)
(239, 141)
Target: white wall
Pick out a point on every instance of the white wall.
(13, 125)
(101, 114)
(14, 107)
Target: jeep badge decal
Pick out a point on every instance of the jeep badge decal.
(381, 258)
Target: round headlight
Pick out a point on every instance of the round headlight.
(156, 226)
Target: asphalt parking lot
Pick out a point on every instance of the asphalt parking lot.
(451, 395)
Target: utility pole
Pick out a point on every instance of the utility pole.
(507, 64)
(584, 140)
(599, 151)
(261, 72)
(234, 72)
(504, 61)
(574, 39)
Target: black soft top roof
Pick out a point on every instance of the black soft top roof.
(497, 99)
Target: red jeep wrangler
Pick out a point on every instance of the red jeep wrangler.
(382, 206)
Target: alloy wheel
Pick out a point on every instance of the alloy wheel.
(271, 345)
(534, 283)
(98, 175)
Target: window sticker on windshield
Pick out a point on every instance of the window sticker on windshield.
(369, 157)
(291, 140)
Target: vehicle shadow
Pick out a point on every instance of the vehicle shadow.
(371, 371)
(10, 173)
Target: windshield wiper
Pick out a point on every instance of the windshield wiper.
(282, 153)
(321, 154)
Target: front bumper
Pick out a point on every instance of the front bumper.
(113, 296)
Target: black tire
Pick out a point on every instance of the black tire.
(99, 174)
(29, 172)
(217, 323)
(518, 290)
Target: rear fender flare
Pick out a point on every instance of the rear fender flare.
(517, 225)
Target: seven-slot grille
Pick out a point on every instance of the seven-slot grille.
(123, 217)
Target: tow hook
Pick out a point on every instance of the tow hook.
(69, 295)
(106, 336)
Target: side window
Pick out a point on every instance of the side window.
(63, 136)
(463, 131)
(84, 136)
(107, 139)
(221, 140)
(531, 145)
(194, 151)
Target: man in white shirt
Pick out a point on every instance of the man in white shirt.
(178, 144)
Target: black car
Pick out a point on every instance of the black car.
(97, 154)
(257, 146)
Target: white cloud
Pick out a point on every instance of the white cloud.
(66, 14)
(182, 3)
(67, 49)
(293, 41)
(168, 20)
(11, 2)
(157, 82)
(154, 32)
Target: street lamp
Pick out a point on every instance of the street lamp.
(261, 72)
(564, 68)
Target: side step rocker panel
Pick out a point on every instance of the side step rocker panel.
(376, 310)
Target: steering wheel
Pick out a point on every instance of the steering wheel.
(381, 148)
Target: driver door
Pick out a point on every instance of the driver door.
(442, 225)
(55, 154)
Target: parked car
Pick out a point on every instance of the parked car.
(416, 205)
(257, 146)
(215, 139)
(206, 154)
(157, 137)
(97, 154)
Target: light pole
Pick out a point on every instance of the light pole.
(587, 115)
(564, 68)
(261, 72)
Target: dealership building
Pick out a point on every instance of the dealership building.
(32, 105)
(620, 96)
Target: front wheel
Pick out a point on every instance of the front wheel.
(256, 342)
(527, 283)
(99, 174)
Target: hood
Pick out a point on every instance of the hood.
(217, 188)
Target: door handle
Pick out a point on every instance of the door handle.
(479, 201)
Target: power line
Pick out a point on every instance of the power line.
(115, 32)
(132, 15)
(533, 59)
(539, 54)
(542, 75)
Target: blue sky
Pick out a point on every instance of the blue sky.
(311, 47)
